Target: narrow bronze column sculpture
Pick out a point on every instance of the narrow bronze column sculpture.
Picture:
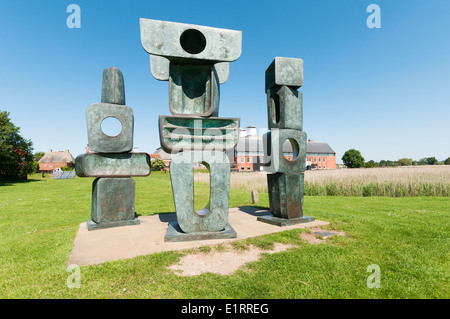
(285, 176)
(195, 60)
(110, 158)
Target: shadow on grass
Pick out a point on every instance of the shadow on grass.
(14, 182)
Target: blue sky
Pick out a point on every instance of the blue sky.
(382, 91)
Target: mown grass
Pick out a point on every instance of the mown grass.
(407, 237)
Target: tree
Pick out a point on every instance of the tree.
(34, 167)
(157, 164)
(353, 159)
(388, 163)
(15, 152)
(422, 161)
(405, 162)
(447, 161)
(38, 155)
(431, 160)
(372, 163)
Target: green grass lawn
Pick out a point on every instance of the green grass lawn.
(408, 238)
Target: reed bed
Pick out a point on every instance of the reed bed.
(403, 181)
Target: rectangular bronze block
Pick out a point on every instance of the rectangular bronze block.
(285, 108)
(112, 164)
(286, 194)
(285, 71)
(194, 90)
(113, 200)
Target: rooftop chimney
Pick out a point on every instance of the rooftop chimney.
(251, 131)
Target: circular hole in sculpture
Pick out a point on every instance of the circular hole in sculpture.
(111, 126)
(291, 149)
(193, 41)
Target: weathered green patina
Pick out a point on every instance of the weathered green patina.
(186, 133)
(285, 118)
(112, 203)
(98, 140)
(112, 164)
(285, 108)
(113, 192)
(194, 89)
(275, 161)
(164, 38)
(285, 71)
(214, 216)
(113, 86)
(195, 61)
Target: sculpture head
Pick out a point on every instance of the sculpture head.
(169, 42)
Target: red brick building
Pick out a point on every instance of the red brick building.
(248, 155)
(320, 156)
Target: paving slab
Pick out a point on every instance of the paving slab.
(102, 245)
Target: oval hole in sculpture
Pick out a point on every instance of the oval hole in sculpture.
(276, 109)
(291, 149)
(193, 41)
(202, 192)
(111, 126)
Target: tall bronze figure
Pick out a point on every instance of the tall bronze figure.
(110, 158)
(195, 60)
(285, 176)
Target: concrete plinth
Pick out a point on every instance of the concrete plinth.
(270, 219)
(95, 247)
(93, 225)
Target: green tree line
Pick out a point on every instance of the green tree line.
(353, 159)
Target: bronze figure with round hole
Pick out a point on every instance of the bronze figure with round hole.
(110, 158)
(195, 60)
(278, 142)
(285, 143)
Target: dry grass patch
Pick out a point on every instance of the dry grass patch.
(222, 261)
(401, 181)
(317, 235)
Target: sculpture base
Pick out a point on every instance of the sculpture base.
(93, 225)
(174, 234)
(270, 219)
